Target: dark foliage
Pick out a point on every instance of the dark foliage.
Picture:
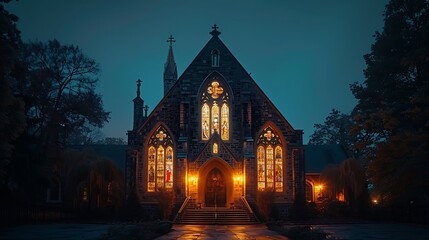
(300, 232)
(12, 119)
(393, 104)
(299, 210)
(265, 203)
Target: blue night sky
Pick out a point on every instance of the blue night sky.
(303, 54)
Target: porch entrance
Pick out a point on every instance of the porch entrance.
(215, 191)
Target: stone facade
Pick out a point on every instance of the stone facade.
(232, 153)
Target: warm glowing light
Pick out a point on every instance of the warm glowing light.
(319, 187)
(375, 201)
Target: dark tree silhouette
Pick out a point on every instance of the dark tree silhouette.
(12, 119)
(57, 83)
(58, 87)
(335, 130)
(393, 103)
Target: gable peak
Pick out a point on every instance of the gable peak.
(215, 32)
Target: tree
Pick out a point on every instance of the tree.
(58, 83)
(90, 182)
(12, 120)
(335, 130)
(349, 178)
(393, 105)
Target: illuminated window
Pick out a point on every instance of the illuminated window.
(278, 176)
(215, 58)
(261, 168)
(225, 122)
(215, 148)
(270, 161)
(215, 118)
(160, 160)
(205, 121)
(215, 112)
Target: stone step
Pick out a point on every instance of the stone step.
(209, 215)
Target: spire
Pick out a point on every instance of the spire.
(170, 68)
(215, 32)
(138, 107)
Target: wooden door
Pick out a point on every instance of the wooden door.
(215, 192)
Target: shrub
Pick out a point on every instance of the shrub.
(166, 199)
(265, 202)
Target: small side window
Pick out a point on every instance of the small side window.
(215, 58)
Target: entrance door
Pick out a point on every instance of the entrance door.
(215, 189)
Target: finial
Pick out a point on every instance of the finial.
(215, 32)
(146, 108)
(171, 40)
(139, 83)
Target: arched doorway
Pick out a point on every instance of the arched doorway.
(215, 192)
(205, 180)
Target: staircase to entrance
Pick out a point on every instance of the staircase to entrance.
(193, 214)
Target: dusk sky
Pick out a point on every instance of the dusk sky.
(303, 54)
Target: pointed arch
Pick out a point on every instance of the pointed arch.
(225, 121)
(205, 120)
(226, 171)
(215, 105)
(160, 159)
(270, 158)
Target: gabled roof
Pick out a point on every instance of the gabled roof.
(116, 153)
(318, 157)
(216, 43)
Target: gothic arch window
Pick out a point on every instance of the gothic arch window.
(269, 158)
(215, 58)
(215, 117)
(160, 159)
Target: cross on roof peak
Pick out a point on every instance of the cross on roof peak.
(215, 31)
(171, 40)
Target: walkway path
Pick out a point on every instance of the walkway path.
(221, 232)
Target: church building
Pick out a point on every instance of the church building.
(214, 138)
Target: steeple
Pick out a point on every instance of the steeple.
(138, 107)
(170, 68)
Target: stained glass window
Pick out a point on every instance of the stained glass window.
(160, 159)
(169, 168)
(225, 122)
(215, 111)
(160, 167)
(215, 148)
(215, 118)
(261, 168)
(270, 161)
(279, 169)
(205, 120)
(270, 167)
(151, 169)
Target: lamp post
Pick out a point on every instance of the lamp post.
(215, 195)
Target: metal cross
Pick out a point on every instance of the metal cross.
(171, 40)
(215, 27)
(139, 83)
